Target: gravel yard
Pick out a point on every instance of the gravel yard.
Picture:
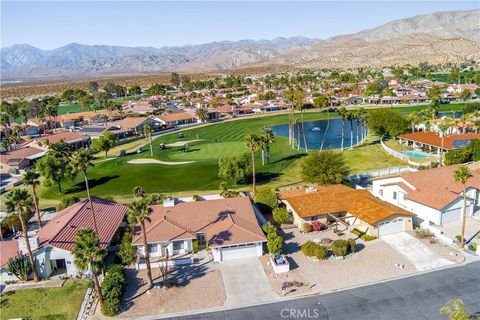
(374, 261)
(201, 288)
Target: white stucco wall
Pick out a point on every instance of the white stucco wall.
(187, 248)
(44, 259)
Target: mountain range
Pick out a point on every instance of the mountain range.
(452, 36)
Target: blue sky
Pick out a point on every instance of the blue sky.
(49, 25)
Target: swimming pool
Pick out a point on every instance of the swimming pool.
(415, 154)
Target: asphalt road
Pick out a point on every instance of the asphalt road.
(418, 297)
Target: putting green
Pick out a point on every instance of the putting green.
(210, 150)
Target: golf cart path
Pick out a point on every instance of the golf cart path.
(414, 250)
(154, 161)
(182, 143)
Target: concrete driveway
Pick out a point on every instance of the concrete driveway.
(245, 282)
(415, 251)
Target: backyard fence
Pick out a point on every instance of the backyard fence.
(378, 173)
(394, 153)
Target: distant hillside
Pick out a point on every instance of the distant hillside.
(437, 37)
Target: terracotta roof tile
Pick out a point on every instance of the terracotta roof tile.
(8, 249)
(339, 198)
(433, 139)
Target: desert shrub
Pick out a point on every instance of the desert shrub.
(312, 249)
(20, 266)
(112, 289)
(307, 227)
(126, 251)
(340, 248)
(67, 202)
(266, 200)
(366, 237)
(318, 226)
(280, 215)
(352, 245)
(423, 233)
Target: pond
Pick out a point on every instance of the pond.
(328, 131)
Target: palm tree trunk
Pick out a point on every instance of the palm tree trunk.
(441, 150)
(37, 209)
(351, 134)
(298, 137)
(326, 130)
(343, 132)
(29, 249)
(97, 287)
(91, 205)
(304, 136)
(253, 172)
(462, 239)
(263, 157)
(147, 254)
(151, 147)
(357, 131)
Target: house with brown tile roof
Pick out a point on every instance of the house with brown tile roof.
(433, 194)
(228, 226)
(19, 159)
(75, 139)
(54, 243)
(352, 208)
(177, 118)
(433, 140)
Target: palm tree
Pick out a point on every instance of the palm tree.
(343, 113)
(413, 118)
(267, 138)
(456, 310)
(31, 178)
(19, 200)
(139, 213)
(138, 192)
(89, 255)
(147, 131)
(443, 130)
(80, 162)
(253, 142)
(202, 114)
(462, 174)
(464, 118)
(350, 118)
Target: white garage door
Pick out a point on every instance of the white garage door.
(454, 214)
(390, 227)
(237, 252)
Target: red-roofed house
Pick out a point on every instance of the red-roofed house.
(228, 226)
(54, 243)
(8, 249)
(433, 195)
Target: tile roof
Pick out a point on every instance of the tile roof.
(433, 138)
(22, 153)
(437, 187)
(67, 136)
(224, 222)
(132, 122)
(340, 198)
(60, 231)
(8, 249)
(176, 116)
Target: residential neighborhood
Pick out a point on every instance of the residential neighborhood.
(336, 176)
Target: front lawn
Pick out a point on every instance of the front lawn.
(44, 303)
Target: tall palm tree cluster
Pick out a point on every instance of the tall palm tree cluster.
(360, 117)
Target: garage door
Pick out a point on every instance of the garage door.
(237, 252)
(390, 227)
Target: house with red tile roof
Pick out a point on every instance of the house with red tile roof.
(433, 194)
(227, 226)
(19, 159)
(433, 140)
(8, 249)
(348, 208)
(54, 243)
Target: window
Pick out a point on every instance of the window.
(394, 195)
(178, 245)
(380, 193)
(152, 248)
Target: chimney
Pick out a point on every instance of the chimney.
(169, 202)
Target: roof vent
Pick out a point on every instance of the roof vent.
(169, 202)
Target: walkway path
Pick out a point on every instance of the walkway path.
(415, 251)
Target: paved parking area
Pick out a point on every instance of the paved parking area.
(415, 251)
(245, 282)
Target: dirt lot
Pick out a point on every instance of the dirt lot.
(200, 288)
(374, 261)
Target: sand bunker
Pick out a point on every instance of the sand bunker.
(182, 143)
(150, 161)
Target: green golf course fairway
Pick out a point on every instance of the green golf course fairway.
(116, 177)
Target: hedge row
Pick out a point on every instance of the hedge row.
(112, 290)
